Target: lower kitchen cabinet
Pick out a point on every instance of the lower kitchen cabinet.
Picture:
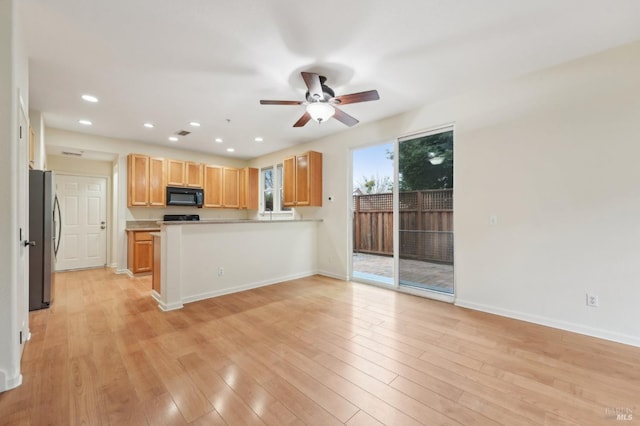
(140, 251)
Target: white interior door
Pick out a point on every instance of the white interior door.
(83, 208)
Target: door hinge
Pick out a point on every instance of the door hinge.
(20, 132)
(20, 239)
(21, 337)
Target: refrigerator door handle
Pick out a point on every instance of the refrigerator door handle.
(56, 207)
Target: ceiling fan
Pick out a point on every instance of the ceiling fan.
(322, 102)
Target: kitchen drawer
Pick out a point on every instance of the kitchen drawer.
(142, 236)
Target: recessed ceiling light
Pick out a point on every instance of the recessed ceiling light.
(85, 122)
(258, 139)
(194, 124)
(173, 139)
(90, 98)
(219, 140)
(148, 125)
(230, 150)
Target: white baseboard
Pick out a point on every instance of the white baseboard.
(170, 307)
(236, 289)
(332, 275)
(550, 322)
(124, 271)
(7, 383)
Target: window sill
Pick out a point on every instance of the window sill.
(275, 215)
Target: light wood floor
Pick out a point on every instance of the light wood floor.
(311, 351)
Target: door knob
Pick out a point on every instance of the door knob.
(28, 243)
(102, 227)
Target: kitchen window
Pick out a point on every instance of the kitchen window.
(271, 191)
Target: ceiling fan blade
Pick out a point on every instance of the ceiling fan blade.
(313, 84)
(345, 118)
(370, 95)
(263, 102)
(303, 120)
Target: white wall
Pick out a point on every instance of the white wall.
(79, 166)
(554, 156)
(13, 80)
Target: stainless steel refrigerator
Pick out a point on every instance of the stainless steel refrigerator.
(44, 236)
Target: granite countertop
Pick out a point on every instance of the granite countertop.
(142, 225)
(222, 221)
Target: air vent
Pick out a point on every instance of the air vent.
(182, 133)
(73, 153)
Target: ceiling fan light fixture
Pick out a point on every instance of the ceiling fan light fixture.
(435, 159)
(320, 111)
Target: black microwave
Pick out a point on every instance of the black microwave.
(185, 196)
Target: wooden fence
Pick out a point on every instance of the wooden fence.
(426, 225)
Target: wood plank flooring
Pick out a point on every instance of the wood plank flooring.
(314, 351)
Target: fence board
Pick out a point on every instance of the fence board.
(426, 225)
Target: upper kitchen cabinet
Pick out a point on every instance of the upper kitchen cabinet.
(176, 173)
(145, 181)
(194, 175)
(230, 188)
(157, 183)
(302, 180)
(248, 188)
(212, 186)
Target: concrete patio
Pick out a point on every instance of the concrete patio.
(417, 273)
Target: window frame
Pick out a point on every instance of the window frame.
(276, 190)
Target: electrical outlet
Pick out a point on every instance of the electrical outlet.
(220, 271)
(493, 220)
(593, 300)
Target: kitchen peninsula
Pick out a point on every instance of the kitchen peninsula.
(208, 258)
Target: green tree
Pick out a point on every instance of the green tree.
(374, 185)
(426, 162)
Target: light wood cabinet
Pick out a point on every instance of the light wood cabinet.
(138, 180)
(146, 185)
(230, 188)
(157, 186)
(212, 186)
(176, 173)
(224, 187)
(302, 180)
(194, 174)
(248, 188)
(140, 252)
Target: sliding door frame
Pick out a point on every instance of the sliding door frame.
(423, 292)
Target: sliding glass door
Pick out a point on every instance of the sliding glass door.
(403, 214)
(425, 211)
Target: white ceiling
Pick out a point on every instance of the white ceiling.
(171, 62)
